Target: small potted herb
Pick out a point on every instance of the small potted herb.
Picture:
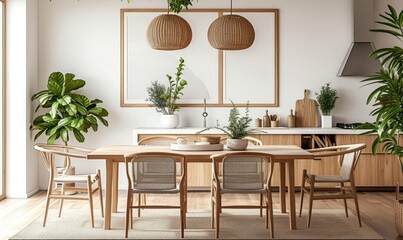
(237, 129)
(164, 98)
(326, 99)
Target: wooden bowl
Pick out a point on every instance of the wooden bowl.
(211, 140)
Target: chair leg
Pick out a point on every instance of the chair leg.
(212, 206)
(356, 202)
(182, 213)
(131, 212)
(139, 204)
(47, 202)
(302, 192)
(345, 200)
(311, 191)
(217, 215)
(100, 193)
(270, 204)
(61, 200)
(89, 188)
(128, 211)
(261, 204)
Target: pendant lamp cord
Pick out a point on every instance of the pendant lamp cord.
(231, 7)
(168, 6)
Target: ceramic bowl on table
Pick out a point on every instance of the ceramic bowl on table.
(211, 140)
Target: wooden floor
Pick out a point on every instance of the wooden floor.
(377, 209)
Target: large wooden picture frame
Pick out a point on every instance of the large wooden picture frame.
(219, 76)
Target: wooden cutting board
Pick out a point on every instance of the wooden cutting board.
(306, 112)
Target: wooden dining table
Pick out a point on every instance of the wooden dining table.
(285, 155)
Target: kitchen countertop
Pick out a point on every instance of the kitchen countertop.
(277, 130)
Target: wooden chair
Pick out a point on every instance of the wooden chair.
(348, 157)
(164, 140)
(58, 184)
(251, 140)
(154, 173)
(242, 173)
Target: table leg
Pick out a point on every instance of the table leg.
(291, 195)
(185, 185)
(282, 187)
(108, 194)
(115, 180)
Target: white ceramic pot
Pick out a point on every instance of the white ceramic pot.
(237, 144)
(169, 120)
(326, 121)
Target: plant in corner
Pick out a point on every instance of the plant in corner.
(387, 97)
(326, 99)
(164, 98)
(237, 128)
(67, 111)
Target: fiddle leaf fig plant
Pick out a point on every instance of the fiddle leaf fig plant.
(67, 111)
(387, 97)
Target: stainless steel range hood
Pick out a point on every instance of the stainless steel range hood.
(357, 62)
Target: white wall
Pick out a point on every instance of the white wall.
(82, 37)
(22, 74)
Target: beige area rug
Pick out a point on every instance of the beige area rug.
(164, 224)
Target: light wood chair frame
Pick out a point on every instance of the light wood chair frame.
(182, 195)
(55, 191)
(142, 198)
(346, 191)
(216, 194)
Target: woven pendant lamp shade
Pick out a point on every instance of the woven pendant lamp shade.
(231, 32)
(169, 32)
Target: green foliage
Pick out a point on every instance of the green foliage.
(177, 5)
(238, 126)
(327, 99)
(387, 98)
(67, 111)
(165, 99)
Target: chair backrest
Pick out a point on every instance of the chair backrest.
(251, 141)
(243, 170)
(158, 140)
(48, 153)
(348, 156)
(153, 171)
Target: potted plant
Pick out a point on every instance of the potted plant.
(387, 97)
(237, 128)
(66, 111)
(326, 99)
(164, 98)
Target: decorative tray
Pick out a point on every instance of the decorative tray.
(197, 147)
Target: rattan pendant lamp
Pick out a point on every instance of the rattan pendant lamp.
(231, 32)
(169, 32)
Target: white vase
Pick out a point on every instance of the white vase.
(327, 122)
(237, 144)
(169, 120)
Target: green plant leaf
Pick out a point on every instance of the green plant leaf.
(71, 109)
(96, 110)
(39, 134)
(81, 99)
(52, 138)
(64, 135)
(54, 110)
(78, 135)
(65, 121)
(39, 94)
(55, 88)
(56, 77)
(68, 77)
(74, 85)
